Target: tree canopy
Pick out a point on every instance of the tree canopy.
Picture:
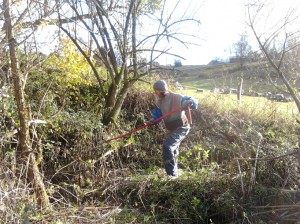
(119, 38)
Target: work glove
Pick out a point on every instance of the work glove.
(187, 103)
(156, 113)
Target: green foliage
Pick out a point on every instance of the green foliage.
(65, 135)
(186, 199)
(150, 6)
(8, 123)
(65, 80)
(72, 66)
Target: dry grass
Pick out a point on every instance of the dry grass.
(239, 166)
(15, 200)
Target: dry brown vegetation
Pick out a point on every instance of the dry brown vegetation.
(238, 165)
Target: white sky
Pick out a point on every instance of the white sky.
(222, 23)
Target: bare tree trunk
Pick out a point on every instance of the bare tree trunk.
(24, 139)
(112, 114)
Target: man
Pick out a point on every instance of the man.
(177, 123)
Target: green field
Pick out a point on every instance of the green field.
(256, 106)
(227, 75)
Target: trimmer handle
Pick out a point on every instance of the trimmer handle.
(189, 115)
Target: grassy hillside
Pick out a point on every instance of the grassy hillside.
(227, 75)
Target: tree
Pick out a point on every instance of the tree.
(27, 151)
(116, 31)
(177, 63)
(280, 43)
(242, 49)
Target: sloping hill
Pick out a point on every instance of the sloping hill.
(225, 75)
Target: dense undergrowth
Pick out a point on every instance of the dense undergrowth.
(239, 164)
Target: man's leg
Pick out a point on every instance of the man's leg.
(171, 149)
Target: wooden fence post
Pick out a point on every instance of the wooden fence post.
(239, 92)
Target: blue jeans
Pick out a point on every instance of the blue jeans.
(171, 149)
